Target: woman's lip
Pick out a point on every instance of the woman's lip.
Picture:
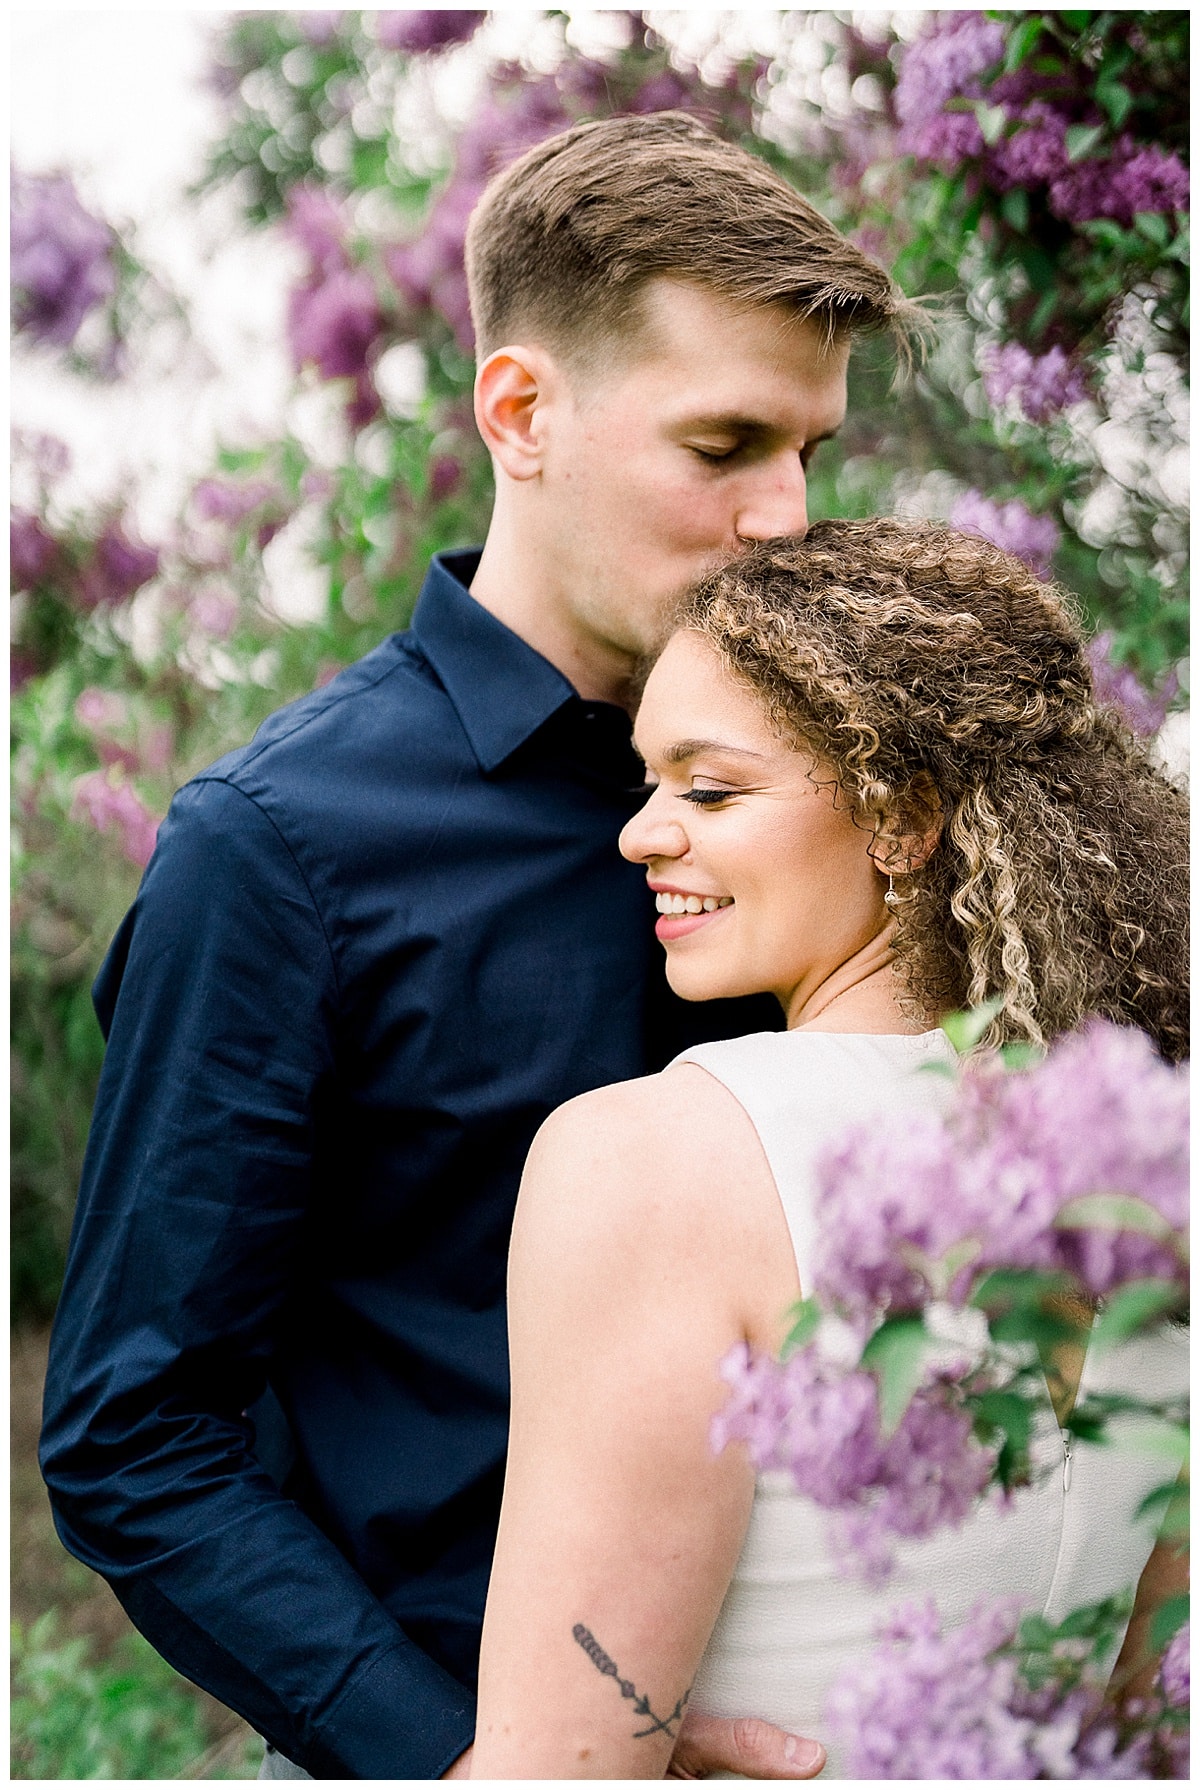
(676, 926)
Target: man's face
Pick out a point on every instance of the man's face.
(693, 446)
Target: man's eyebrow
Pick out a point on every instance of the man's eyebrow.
(753, 427)
(682, 750)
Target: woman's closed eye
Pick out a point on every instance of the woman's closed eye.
(707, 798)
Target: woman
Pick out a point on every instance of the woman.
(883, 791)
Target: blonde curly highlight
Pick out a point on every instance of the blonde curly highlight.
(935, 673)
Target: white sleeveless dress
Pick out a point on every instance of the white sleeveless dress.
(792, 1621)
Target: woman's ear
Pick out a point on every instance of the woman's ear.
(905, 841)
(922, 823)
(511, 388)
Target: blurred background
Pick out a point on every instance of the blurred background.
(241, 385)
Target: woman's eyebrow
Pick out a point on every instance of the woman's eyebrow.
(682, 750)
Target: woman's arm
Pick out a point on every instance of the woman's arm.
(648, 1239)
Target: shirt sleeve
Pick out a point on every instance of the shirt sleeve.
(219, 999)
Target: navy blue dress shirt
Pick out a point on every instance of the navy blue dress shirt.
(372, 951)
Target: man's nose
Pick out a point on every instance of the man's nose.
(776, 503)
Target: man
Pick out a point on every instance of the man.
(379, 944)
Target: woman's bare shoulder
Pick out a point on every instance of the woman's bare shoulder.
(668, 1165)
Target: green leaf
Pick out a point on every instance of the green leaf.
(1076, 21)
(1021, 42)
(1035, 1632)
(897, 1353)
(1008, 1412)
(807, 1317)
(1168, 1619)
(1014, 209)
(992, 120)
(1019, 1055)
(1131, 1308)
(1168, 1506)
(1082, 139)
(965, 1029)
(1007, 1288)
(1113, 1212)
(1116, 100)
(1154, 227)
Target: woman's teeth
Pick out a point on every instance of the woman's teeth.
(667, 903)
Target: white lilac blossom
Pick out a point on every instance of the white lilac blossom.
(1142, 710)
(1010, 526)
(930, 1704)
(920, 1214)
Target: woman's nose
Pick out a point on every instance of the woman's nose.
(653, 833)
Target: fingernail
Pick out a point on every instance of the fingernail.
(803, 1754)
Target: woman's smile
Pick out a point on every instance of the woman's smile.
(681, 912)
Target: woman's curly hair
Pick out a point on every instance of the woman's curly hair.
(937, 675)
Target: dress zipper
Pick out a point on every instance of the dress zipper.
(1066, 1442)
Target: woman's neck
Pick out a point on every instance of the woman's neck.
(860, 995)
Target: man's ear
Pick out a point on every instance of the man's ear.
(511, 390)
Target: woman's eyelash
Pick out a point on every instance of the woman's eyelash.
(706, 798)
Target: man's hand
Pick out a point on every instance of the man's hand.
(753, 1749)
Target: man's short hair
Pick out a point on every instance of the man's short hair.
(561, 242)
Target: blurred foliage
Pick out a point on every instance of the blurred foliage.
(365, 138)
(127, 1717)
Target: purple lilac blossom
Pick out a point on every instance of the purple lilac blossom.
(417, 33)
(317, 222)
(61, 258)
(214, 611)
(105, 716)
(1175, 1673)
(118, 567)
(334, 323)
(820, 1423)
(32, 550)
(943, 64)
(929, 1704)
(922, 1214)
(232, 500)
(1142, 710)
(1009, 526)
(445, 476)
(108, 802)
(1036, 151)
(1042, 384)
(1132, 178)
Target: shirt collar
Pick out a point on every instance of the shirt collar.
(502, 690)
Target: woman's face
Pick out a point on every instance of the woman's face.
(751, 830)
